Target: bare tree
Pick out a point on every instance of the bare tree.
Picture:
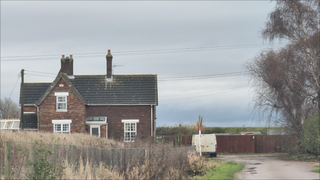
(9, 109)
(288, 79)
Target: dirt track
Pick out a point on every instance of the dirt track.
(271, 167)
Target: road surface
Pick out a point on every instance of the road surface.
(271, 167)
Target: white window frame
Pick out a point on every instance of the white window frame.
(95, 126)
(61, 94)
(61, 122)
(125, 121)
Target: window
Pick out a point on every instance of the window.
(61, 104)
(61, 126)
(130, 130)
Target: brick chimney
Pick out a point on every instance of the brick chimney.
(67, 65)
(109, 64)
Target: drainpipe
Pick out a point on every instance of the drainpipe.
(37, 117)
(151, 120)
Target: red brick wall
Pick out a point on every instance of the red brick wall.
(117, 113)
(76, 110)
(29, 109)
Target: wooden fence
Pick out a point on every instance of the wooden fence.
(244, 143)
(15, 156)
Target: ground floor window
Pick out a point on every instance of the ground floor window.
(61, 126)
(130, 130)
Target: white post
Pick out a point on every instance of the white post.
(200, 140)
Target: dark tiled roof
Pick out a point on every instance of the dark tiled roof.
(123, 89)
(33, 91)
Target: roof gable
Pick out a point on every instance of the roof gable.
(63, 76)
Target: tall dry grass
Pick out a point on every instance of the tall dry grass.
(159, 161)
(55, 138)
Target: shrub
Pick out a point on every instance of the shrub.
(310, 139)
(42, 167)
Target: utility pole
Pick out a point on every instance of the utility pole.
(22, 98)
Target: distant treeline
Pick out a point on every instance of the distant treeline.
(190, 130)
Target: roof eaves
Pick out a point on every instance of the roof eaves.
(120, 104)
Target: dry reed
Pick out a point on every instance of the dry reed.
(161, 161)
(55, 138)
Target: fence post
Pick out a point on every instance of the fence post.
(88, 153)
(73, 149)
(31, 160)
(7, 163)
(121, 158)
(100, 155)
(54, 160)
(112, 158)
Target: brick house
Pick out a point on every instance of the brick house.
(120, 107)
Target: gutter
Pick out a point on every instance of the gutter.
(120, 104)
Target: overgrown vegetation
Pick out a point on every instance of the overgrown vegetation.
(311, 135)
(42, 168)
(58, 160)
(49, 138)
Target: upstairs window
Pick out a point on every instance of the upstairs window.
(61, 102)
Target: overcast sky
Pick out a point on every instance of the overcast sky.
(181, 42)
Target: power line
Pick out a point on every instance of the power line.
(231, 90)
(40, 75)
(167, 78)
(199, 92)
(41, 72)
(136, 52)
(14, 86)
(204, 76)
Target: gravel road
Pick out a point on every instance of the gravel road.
(271, 167)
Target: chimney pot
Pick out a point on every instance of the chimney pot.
(67, 65)
(70, 56)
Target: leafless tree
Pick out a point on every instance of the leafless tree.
(9, 109)
(288, 79)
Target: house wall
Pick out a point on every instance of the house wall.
(30, 109)
(76, 110)
(115, 114)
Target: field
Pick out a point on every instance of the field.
(190, 130)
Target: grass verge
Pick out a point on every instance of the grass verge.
(316, 169)
(301, 157)
(224, 170)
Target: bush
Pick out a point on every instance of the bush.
(43, 168)
(310, 139)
